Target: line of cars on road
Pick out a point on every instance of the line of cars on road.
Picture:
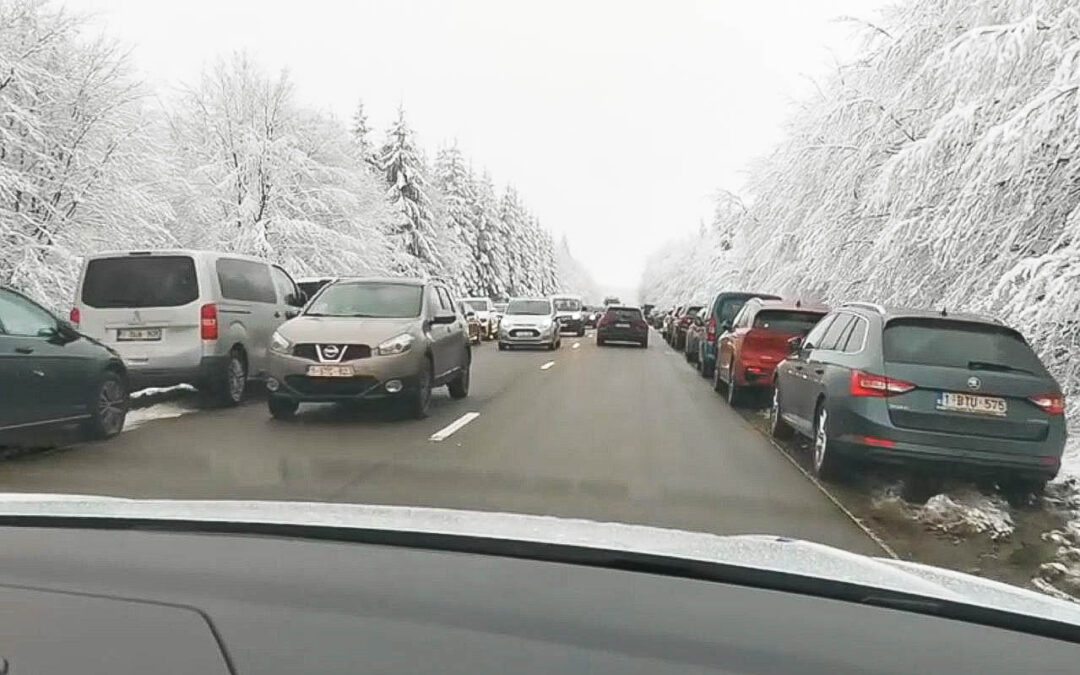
(864, 383)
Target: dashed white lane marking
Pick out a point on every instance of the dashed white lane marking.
(576, 345)
(444, 433)
(547, 365)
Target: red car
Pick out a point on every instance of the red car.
(758, 340)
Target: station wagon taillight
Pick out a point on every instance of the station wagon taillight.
(74, 316)
(208, 322)
(1051, 404)
(868, 384)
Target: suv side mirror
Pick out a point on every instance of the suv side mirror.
(794, 345)
(298, 299)
(63, 333)
(443, 317)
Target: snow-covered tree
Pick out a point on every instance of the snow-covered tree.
(572, 276)
(454, 181)
(403, 168)
(361, 132)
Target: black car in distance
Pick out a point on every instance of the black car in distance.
(622, 324)
(956, 392)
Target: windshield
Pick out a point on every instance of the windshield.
(439, 253)
(365, 299)
(529, 307)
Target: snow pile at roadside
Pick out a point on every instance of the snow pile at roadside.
(960, 512)
(156, 392)
(1062, 573)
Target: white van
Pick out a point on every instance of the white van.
(571, 313)
(195, 317)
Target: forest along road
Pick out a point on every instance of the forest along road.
(604, 433)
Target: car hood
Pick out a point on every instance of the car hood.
(758, 552)
(344, 330)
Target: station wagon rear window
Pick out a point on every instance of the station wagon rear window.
(958, 344)
(140, 281)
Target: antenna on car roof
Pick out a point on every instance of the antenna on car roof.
(944, 312)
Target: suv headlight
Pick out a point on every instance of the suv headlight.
(395, 345)
(279, 344)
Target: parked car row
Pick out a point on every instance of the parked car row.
(936, 391)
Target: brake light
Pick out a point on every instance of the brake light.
(208, 322)
(710, 329)
(1051, 404)
(868, 384)
(875, 441)
(74, 316)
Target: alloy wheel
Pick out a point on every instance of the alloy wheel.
(821, 439)
(112, 407)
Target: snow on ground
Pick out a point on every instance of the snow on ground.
(137, 417)
(162, 391)
(959, 512)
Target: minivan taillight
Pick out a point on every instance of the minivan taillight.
(868, 384)
(208, 322)
(74, 316)
(1051, 404)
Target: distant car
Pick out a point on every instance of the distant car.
(471, 321)
(682, 323)
(952, 392)
(530, 322)
(695, 333)
(311, 285)
(668, 325)
(622, 324)
(719, 316)
(611, 300)
(52, 375)
(569, 311)
(372, 338)
(180, 316)
(486, 315)
(747, 354)
(592, 316)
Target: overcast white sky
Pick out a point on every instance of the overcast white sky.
(615, 119)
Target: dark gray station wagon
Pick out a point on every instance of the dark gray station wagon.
(908, 386)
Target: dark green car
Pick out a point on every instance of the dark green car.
(928, 389)
(52, 375)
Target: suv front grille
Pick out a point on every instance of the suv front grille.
(352, 352)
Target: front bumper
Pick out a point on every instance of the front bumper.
(368, 382)
(542, 337)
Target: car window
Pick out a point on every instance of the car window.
(836, 331)
(729, 309)
(855, 336)
(623, 314)
(19, 316)
(814, 336)
(140, 281)
(445, 300)
(245, 280)
(367, 299)
(283, 283)
(479, 305)
(567, 304)
(786, 321)
(957, 344)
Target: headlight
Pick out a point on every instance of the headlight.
(279, 344)
(395, 345)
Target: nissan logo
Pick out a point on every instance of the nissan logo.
(331, 352)
(974, 383)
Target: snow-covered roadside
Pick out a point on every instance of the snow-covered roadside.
(958, 512)
(156, 403)
(1062, 573)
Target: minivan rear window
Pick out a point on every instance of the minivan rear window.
(958, 344)
(245, 280)
(784, 321)
(140, 281)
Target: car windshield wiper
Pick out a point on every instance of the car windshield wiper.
(1001, 367)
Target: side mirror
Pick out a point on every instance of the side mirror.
(725, 326)
(470, 314)
(298, 299)
(63, 333)
(794, 345)
(444, 317)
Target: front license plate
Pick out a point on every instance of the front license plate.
(330, 371)
(970, 403)
(138, 334)
(622, 325)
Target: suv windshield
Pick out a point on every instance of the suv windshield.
(567, 305)
(957, 344)
(368, 299)
(783, 321)
(478, 305)
(140, 281)
(529, 307)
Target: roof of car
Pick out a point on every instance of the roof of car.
(791, 305)
(889, 313)
(405, 281)
(191, 252)
(746, 294)
(630, 307)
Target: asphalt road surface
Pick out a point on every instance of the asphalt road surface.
(605, 433)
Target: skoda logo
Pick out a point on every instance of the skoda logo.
(974, 383)
(331, 352)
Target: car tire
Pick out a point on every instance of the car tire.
(717, 383)
(645, 343)
(581, 332)
(228, 390)
(502, 346)
(419, 401)
(459, 386)
(734, 392)
(686, 355)
(778, 428)
(827, 465)
(108, 408)
(282, 407)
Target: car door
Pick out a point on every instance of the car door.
(44, 378)
(822, 358)
(793, 378)
(289, 297)
(437, 334)
(456, 335)
(728, 344)
(248, 307)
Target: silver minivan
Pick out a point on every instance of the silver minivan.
(179, 316)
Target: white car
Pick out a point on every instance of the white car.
(530, 322)
(486, 315)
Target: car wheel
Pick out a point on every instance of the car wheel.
(686, 355)
(420, 400)
(229, 389)
(826, 463)
(600, 342)
(778, 428)
(734, 391)
(459, 386)
(282, 407)
(502, 346)
(108, 408)
(717, 383)
(581, 332)
(645, 343)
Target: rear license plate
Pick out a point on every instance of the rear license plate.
(330, 371)
(970, 403)
(138, 334)
(622, 325)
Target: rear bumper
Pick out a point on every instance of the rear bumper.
(575, 325)
(207, 368)
(622, 334)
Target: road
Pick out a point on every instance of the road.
(605, 433)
